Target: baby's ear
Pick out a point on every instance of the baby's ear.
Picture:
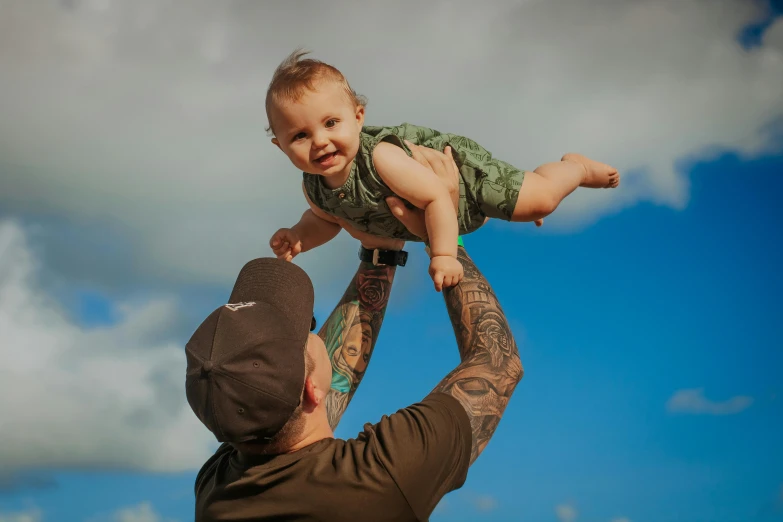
(276, 142)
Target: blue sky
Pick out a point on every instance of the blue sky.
(611, 322)
(649, 330)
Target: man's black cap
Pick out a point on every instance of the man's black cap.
(246, 361)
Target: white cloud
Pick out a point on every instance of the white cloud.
(485, 503)
(693, 401)
(566, 513)
(88, 398)
(31, 515)
(149, 115)
(141, 513)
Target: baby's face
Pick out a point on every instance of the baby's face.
(320, 132)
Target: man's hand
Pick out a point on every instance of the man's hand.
(369, 241)
(443, 165)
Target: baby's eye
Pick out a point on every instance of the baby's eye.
(299, 136)
(331, 123)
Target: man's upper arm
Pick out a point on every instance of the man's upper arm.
(425, 448)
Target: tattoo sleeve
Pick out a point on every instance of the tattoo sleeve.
(490, 366)
(351, 331)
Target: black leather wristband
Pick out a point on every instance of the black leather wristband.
(380, 257)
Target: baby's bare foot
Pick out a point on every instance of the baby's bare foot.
(597, 174)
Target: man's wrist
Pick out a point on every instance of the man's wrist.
(383, 257)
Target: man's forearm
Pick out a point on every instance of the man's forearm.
(351, 331)
(490, 368)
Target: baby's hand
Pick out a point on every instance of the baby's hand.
(286, 244)
(445, 271)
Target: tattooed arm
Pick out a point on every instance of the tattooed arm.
(490, 368)
(351, 331)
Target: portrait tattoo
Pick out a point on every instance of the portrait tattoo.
(351, 331)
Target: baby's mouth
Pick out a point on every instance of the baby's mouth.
(326, 157)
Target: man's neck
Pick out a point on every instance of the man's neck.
(313, 432)
(315, 429)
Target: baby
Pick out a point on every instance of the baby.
(350, 169)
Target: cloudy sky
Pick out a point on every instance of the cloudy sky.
(136, 178)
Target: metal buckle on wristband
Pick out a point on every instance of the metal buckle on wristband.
(375, 256)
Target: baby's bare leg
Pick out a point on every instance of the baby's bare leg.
(548, 185)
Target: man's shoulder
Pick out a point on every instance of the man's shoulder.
(438, 410)
(340, 478)
(208, 470)
(420, 437)
(424, 448)
(434, 404)
(405, 463)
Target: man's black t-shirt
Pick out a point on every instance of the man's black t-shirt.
(396, 470)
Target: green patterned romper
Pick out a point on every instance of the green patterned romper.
(488, 187)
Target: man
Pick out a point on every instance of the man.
(273, 393)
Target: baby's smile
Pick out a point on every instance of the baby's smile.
(327, 159)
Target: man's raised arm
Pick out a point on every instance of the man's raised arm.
(351, 331)
(490, 366)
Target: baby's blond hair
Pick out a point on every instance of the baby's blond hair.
(294, 76)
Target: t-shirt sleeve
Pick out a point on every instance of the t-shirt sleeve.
(425, 448)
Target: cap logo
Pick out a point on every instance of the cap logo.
(237, 306)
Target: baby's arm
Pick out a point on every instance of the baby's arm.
(315, 228)
(416, 183)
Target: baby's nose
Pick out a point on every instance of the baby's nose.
(319, 140)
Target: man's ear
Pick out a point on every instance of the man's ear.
(312, 395)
